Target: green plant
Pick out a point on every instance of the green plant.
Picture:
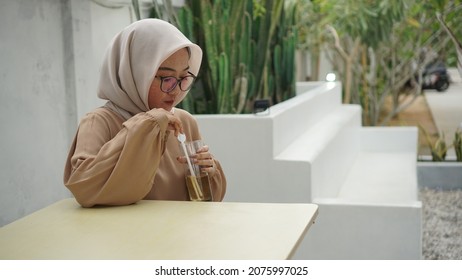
(249, 53)
(454, 33)
(437, 147)
(457, 143)
(375, 47)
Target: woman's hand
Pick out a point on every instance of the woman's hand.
(204, 159)
(174, 122)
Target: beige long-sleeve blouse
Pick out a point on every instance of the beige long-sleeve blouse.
(117, 162)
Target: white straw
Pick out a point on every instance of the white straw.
(187, 159)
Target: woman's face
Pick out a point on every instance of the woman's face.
(177, 65)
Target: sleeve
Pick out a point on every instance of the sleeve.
(218, 182)
(117, 171)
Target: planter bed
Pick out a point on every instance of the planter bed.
(442, 175)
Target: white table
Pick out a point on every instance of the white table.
(159, 230)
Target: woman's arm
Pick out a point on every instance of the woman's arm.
(101, 170)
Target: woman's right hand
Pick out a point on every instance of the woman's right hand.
(174, 123)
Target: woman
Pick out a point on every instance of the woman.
(127, 150)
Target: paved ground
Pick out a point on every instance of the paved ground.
(441, 224)
(435, 112)
(446, 107)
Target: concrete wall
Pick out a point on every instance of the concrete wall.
(50, 52)
(36, 110)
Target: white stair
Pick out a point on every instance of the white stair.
(313, 149)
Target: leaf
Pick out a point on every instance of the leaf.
(413, 22)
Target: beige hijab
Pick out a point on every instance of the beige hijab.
(132, 60)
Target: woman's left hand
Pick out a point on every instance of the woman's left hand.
(204, 159)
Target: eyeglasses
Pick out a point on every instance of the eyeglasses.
(169, 83)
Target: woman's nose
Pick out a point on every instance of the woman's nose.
(176, 91)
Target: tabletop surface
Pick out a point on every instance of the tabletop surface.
(159, 230)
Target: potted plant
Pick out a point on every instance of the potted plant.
(442, 172)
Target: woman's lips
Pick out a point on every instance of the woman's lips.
(169, 102)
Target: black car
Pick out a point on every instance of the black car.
(435, 76)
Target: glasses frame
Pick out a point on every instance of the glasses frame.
(177, 83)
